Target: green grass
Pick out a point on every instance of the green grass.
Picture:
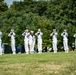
(47, 63)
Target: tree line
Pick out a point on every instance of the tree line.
(32, 14)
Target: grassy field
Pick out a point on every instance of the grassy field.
(38, 64)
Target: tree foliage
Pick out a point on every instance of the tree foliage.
(3, 6)
(46, 15)
(20, 21)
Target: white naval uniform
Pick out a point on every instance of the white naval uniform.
(65, 41)
(26, 41)
(75, 40)
(12, 35)
(31, 43)
(0, 43)
(54, 41)
(39, 35)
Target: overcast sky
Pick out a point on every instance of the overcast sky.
(9, 2)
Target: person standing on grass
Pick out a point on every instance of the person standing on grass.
(0, 43)
(31, 41)
(39, 34)
(54, 40)
(26, 40)
(75, 41)
(65, 40)
(12, 35)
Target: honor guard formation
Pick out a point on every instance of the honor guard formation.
(30, 40)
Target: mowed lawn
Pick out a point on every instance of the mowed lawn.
(47, 63)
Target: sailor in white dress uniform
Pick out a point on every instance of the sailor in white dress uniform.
(39, 34)
(31, 42)
(26, 40)
(12, 35)
(75, 41)
(65, 40)
(0, 43)
(54, 40)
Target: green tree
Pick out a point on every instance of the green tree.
(3, 6)
(46, 15)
